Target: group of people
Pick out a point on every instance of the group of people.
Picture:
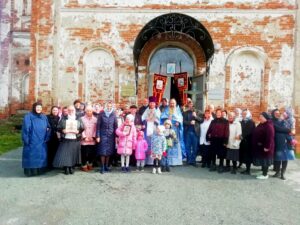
(87, 135)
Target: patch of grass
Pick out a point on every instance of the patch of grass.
(298, 155)
(10, 137)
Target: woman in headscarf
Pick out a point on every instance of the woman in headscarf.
(173, 113)
(282, 138)
(248, 127)
(106, 127)
(35, 134)
(68, 154)
(53, 143)
(263, 144)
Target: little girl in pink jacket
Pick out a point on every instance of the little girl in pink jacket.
(127, 139)
(141, 147)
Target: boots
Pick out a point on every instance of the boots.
(233, 171)
(213, 168)
(159, 170)
(168, 169)
(276, 168)
(246, 172)
(283, 169)
(154, 171)
(71, 170)
(66, 171)
(102, 169)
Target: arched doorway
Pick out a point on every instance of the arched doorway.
(153, 44)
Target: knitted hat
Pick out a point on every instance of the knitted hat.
(152, 99)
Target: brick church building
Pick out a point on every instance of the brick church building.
(238, 53)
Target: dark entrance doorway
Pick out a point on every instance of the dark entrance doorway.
(167, 61)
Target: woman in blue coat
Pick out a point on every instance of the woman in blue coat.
(35, 134)
(106, 127)
(282, 151)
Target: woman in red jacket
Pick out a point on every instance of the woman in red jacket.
(217, 134)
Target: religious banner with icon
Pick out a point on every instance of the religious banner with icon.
(181, 81)
(159, 85)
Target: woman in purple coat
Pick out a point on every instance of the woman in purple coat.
(263, 144)
(106, 127)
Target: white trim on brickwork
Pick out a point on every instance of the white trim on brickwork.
(190, 11)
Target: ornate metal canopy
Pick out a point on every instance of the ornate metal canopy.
(174, 24)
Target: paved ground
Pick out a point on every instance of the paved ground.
(187, 195)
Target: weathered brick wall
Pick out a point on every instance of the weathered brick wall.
(15, 51)
(65, 35)
(5, 26)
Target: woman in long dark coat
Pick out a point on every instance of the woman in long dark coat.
(68, 154)
(263, 144)
(248, 127)
(35, 134)
(106, 127)
(53, 143)
(282, 151)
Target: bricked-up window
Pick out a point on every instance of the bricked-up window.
(27, 62)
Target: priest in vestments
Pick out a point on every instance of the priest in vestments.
(173, 113)
(151, 119)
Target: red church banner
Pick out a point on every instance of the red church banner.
(181, 81)
(159, 85)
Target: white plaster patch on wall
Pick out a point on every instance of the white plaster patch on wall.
(269, 32)
(246, 78)
(216, 79)
(281, 82)
(99, 76)
(4, 84)
(45, 73)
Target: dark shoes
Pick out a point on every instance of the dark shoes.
(71, 170)
(212, 168)
(102, 169)
(226, 169)
(221, 169)
(277, 174)
(66, 170)
(168, 169)
(245, 172)
(33, 172)
(233, 171)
